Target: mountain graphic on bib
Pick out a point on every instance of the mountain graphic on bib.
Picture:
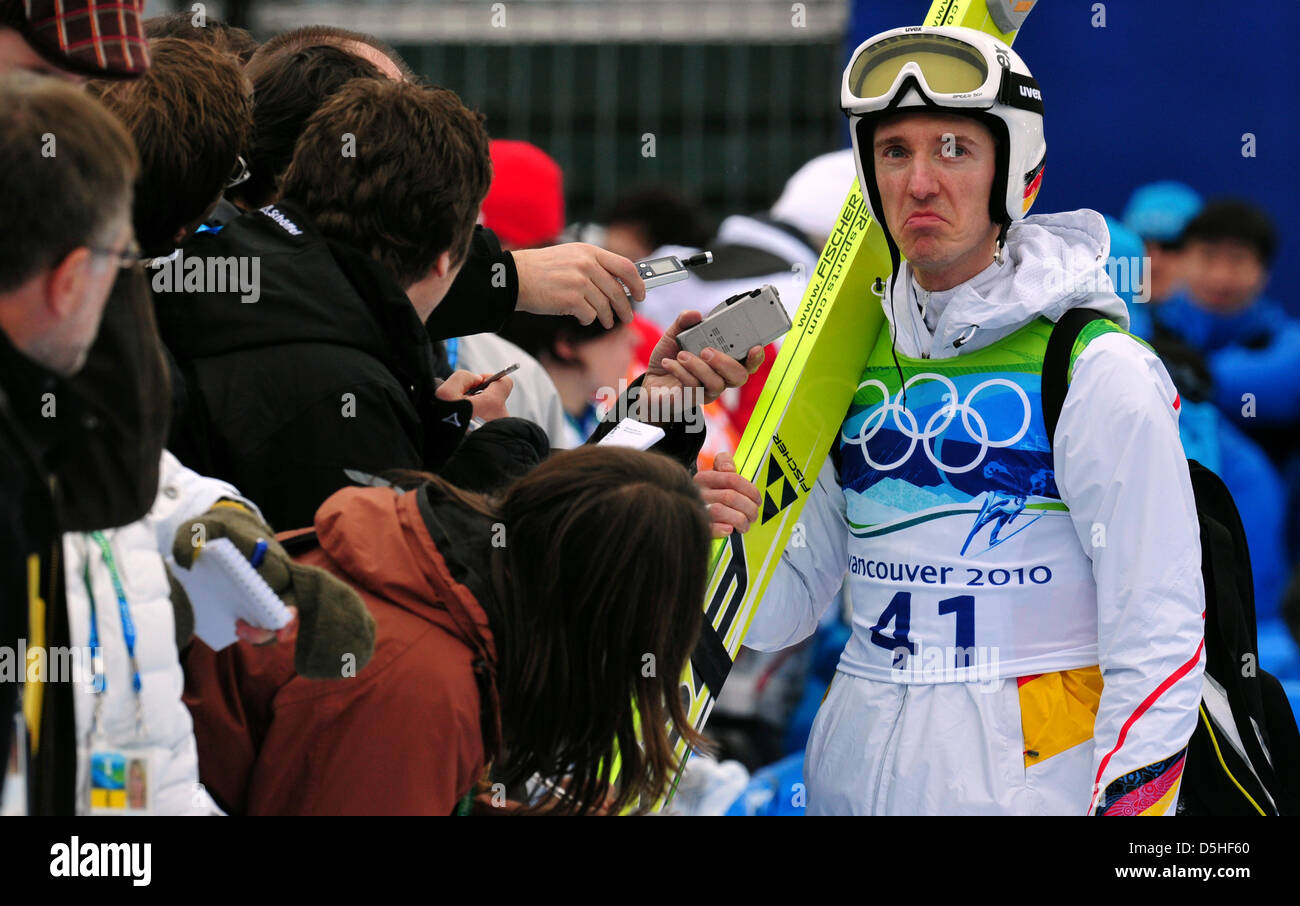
(962, 436)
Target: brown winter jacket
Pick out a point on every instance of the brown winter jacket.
(413, 731)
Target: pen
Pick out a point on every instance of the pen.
(479, 388)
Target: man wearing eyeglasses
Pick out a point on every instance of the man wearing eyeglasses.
(66, 171)
(83, 449)
(189, 115)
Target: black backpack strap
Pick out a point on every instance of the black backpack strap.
(1284, 743)
(1056, 364)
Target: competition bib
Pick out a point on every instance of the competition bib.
(964, 564)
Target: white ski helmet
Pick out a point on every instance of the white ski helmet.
(950, 70)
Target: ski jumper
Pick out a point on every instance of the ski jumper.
(1027, 627)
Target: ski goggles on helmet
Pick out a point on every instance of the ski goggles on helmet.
(945, 70)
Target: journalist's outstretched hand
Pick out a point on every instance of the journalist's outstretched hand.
(577, 279)
(732, 499)
(671, 369)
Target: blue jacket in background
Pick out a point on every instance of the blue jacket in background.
(1254, 351)
(1260, 495)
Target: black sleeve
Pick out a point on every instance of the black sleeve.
(682, 439)
(445, 423)
(497, 453)
(482, 296)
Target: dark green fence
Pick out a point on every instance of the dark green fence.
(728, 122)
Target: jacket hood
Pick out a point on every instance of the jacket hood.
(398, 546)
(1051, 264)
(269, 278)
(385, 544)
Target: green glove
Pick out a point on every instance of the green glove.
(334, 628)
(182, 611)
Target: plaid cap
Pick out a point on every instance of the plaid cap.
(93, 38)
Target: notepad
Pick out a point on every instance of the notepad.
(634, 434)
(223, 587)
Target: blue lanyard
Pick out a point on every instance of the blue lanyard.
(98, 681)
(588, 423)
(453, 351)
(128, 625)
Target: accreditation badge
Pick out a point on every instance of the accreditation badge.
(122, 778)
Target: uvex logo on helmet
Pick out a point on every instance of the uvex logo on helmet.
(1026, 91)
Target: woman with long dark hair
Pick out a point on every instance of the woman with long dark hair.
(540, 633)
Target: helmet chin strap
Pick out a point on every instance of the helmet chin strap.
(1001, 244)
(895, 260)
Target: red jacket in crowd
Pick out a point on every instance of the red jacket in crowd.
(404, 735)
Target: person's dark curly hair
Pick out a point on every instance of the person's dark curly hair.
(190, 115)
(233, 40)
(396, 170)
(287, 89)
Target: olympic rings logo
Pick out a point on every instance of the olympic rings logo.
(937, 423)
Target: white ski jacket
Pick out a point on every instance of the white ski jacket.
(1119, 467)
(138, 552)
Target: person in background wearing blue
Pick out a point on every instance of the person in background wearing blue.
(1208, 436)
(1157, 213)
(1251, 345)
